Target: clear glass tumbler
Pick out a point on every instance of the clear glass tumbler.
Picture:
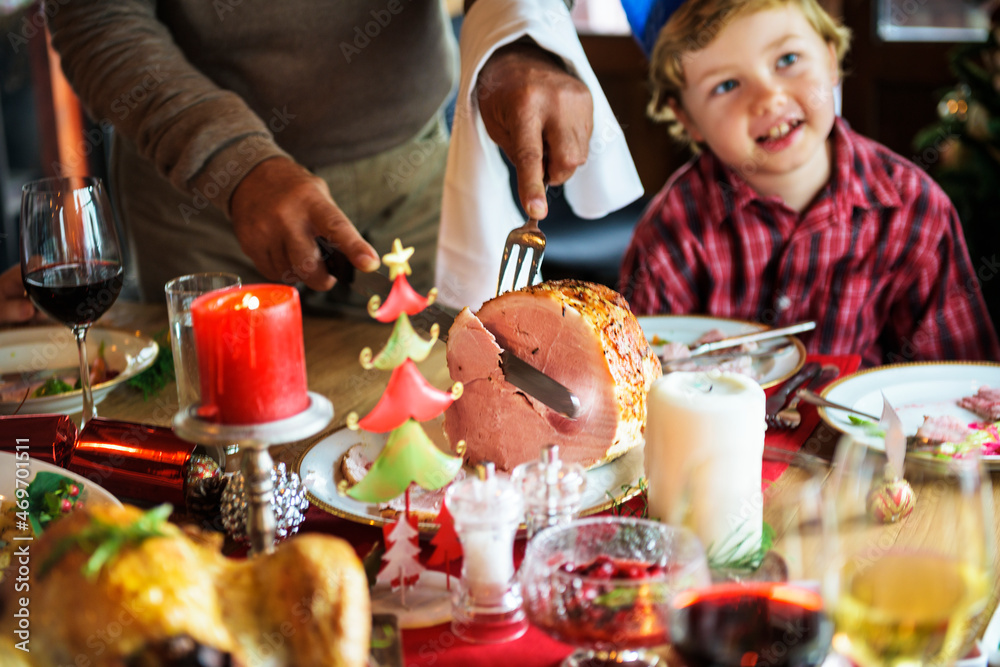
(180, 292)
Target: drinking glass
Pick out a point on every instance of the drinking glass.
(766, 606)
(180, 292)
(604, 584)
(915, 556)
(71, 260)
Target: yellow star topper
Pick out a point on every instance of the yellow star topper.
(397, 260)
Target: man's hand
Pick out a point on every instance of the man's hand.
(540, 115)
(15, 306)
(278, 210)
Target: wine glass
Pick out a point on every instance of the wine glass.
(71, 260)
(914, 560)
(765, 604)
(604, 584)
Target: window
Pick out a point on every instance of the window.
(932, 21)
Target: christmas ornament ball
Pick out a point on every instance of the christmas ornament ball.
(890, 500)
(199, 467)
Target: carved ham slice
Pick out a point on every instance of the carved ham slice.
(584, 336)
(986, 403)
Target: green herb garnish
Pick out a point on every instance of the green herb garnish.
(52, 386)
(152, 380)
(626, 596)
(103, 541)
(870, 427)
(620, 507)
(50, 496)
(723, 557)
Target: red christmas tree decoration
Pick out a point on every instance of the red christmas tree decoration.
(407, 396)
(447, 546)
(402, 299)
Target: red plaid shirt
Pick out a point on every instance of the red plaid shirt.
(878, 260)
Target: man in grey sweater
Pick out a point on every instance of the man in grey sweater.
(245, 128)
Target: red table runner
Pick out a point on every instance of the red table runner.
(792, 440)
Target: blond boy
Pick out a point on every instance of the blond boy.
(786, 214)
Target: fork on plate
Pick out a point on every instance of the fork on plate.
(527, 238)
(816, 399)
(789, 417)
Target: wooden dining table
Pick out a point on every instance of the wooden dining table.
(333, 342)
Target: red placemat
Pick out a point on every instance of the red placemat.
(793, 439)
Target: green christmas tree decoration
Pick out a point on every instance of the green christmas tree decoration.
(409, 455)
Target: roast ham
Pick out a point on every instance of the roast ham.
(584, 336)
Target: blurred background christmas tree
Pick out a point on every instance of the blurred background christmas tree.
(962, 152)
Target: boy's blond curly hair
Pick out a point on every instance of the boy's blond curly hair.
(696, 24)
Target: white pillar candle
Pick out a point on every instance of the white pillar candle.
(703, 456)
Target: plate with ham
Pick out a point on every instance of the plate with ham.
(344, 454)
(43, 363)
(957, 403)
(670, 336)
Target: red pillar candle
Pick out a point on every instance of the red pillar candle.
(251, 354)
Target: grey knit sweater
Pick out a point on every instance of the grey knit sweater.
(204, 87)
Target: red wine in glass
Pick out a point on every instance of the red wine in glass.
(71, 260)
(762, 624)
(76, 293)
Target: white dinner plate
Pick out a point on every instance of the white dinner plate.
(914, 390)
(689, 328)
(319, 470)
(94, 493)
(37, 348)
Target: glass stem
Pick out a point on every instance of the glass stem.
(89, 412)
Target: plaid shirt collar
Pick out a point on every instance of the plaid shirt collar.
(856, 181)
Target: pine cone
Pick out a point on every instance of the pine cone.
(289, 502)
(203, 499)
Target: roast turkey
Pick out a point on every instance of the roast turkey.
(305, 605)
(581, 334)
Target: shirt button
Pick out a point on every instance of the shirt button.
(782, 303)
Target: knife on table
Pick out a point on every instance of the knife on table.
(517, 371)
(777, 400)
(767, 334)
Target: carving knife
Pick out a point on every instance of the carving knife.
(518, 372)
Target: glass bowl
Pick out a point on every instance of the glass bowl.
(604, 585)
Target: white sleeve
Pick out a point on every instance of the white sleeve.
(478, 208)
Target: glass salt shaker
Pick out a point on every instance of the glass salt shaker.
(486, 604)
(552, 490)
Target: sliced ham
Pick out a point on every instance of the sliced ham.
(945, 428)
(582, 335)
(674, 351)
(986, 403)
(675, 355)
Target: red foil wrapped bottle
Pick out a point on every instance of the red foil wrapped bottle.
(133, 461)
(49, 438)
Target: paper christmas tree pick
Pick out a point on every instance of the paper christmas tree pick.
(409, 455)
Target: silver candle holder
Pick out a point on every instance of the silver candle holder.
(254, 441)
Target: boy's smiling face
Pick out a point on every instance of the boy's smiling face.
(760, 95)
